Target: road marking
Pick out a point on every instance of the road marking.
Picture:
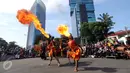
(6, 63)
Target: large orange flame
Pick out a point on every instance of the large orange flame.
(26, 17)
(63, 30)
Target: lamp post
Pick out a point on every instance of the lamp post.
(126, 29)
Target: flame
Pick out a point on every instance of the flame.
(63, 30)
(26, 17)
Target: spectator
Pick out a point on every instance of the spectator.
(128, 41)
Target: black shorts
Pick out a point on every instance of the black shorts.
(43, 55)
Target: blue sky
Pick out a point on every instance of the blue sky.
(119, 9)
(57, 13)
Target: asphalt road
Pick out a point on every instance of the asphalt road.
(86, 65)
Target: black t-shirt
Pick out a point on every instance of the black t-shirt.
(44, 47)
(64, 42)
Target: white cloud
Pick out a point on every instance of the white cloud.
(11, 29)
(9, 25)
(11, 6)
(14, 34)
(56, 5)
(3, 23)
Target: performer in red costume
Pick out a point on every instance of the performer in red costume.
(52, 51)
(74, 52)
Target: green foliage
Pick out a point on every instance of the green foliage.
(107, 22)
(34, 52)
(97, 31)
(91, 31)
(38, 38)
(57, 39)
(12, 47)
(3, 44)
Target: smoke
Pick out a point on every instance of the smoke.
(58, 6)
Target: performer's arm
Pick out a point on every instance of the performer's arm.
(48, 48)
(81, 49)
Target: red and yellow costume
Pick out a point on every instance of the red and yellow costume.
(51, 48)
(37, 48)
(75, 50)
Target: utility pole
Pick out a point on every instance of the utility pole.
(126, 30)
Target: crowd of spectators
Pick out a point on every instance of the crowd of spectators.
(108, 48)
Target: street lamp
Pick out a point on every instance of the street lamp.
(126, 29)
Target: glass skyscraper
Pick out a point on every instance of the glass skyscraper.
(83, 11)
(39, 10)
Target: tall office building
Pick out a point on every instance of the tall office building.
(81, 11)
(39, 10)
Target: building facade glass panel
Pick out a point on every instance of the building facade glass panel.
(91, 14)
(89, 7)
(74, 24)
(81, 12)
(39, 10)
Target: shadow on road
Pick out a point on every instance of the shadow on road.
(104, 69)
(85, 63)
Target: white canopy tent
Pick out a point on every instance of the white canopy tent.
(122, 39)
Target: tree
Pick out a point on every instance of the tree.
(11, 47)
(3, 44)
(107, 22)
(12, 44)
(93, 32)
(57, 39)
(111, 33)
(87, 31)
(97, 31)
(39, 37)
